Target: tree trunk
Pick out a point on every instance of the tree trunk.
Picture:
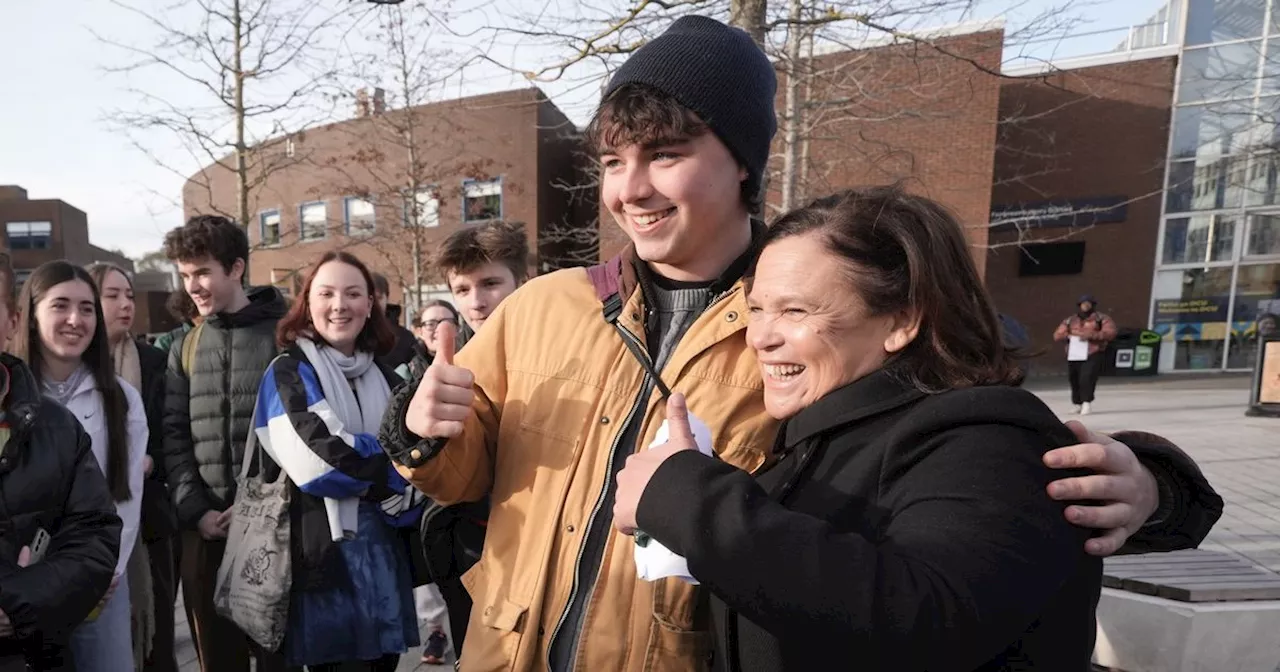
(749, 15)
(242, 150)
(791, 140)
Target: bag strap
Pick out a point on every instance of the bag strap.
(189, 349)
(604, 277)
(252, 451)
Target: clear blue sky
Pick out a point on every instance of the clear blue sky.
(54, 142)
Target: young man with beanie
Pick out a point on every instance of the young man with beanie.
(570, 374)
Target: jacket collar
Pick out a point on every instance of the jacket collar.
(870, 395)
(634, 272)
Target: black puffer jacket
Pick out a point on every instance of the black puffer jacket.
(158, 517)
(207, 416)
(49, 479)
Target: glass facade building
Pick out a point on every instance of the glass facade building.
(1217, 276)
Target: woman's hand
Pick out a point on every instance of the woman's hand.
(634, 478)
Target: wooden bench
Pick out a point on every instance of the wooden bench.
(1188, 611)
(1191, 576)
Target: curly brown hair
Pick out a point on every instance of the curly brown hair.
(208, 237)
(469, 248)
(376, 336)
(639, 114)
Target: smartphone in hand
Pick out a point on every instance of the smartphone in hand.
(39, 545)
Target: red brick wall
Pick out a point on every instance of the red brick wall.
(496, 135)
(895, 113)
(1091, 132)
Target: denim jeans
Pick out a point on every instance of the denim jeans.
(106, 643)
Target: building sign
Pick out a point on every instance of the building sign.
(1205, 309)
(1078, 212)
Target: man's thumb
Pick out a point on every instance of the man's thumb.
(446, 337)
(678, 417)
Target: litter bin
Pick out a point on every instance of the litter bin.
(1133, 352)
(1264, 397)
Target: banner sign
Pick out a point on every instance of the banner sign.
(1060, 213)
(1205, 309)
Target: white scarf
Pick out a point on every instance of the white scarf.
(358, 394)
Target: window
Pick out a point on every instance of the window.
(1051, 259)
(285, 280)
(1264, 236)
(428, 208)
(1257, 306)
(29, 235)
(269, 227)
(1191, 314)
(1224, 20)
(1218, 73)
(482, 200)
(1214, 184)
(313, 221)
(1198, 239)
(1206, 132)
(359, 216)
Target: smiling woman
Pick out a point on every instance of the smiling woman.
(63, 337)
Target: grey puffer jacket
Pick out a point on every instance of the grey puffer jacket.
(207, 416)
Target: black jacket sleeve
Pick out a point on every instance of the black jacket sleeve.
(1189, 506)
(190, 494)
(397, 441)
(971, 553)
(56, 594)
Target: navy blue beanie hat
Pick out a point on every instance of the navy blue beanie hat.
(718, 73)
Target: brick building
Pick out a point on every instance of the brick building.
(504, 156)
(45, 229)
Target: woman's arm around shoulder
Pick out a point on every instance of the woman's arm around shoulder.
(972, 552)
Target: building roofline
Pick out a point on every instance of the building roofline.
(960, 29)
(1092, 61)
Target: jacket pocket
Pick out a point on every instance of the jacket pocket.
(496, 628)
(675, 649)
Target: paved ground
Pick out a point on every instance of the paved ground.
(1203, 415)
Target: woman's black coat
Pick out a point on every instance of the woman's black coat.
(899, 531)
(50, 480)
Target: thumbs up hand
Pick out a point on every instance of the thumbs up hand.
(442, 402)
(635, 477)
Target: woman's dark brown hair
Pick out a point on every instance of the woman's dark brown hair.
(376, 336)
(26, 346)
(908, 254)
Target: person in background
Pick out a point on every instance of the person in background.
(62, 336)
(153, 568)
(183, 309)
(212, 373)
(483, 265)
(50, 482)
(432, 315)
(401, 353)
(318, 411)
(1086, 334)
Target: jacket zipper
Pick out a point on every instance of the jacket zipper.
(645, 391)
(641, 400)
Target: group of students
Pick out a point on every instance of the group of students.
(166, 433)
(839, 468)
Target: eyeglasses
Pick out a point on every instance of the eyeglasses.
(432, 324)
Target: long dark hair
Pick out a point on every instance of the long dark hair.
(115, 406)
(376, 336)
(906, 253)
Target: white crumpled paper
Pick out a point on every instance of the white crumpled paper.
(653, 560)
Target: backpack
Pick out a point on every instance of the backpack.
(189, 349)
